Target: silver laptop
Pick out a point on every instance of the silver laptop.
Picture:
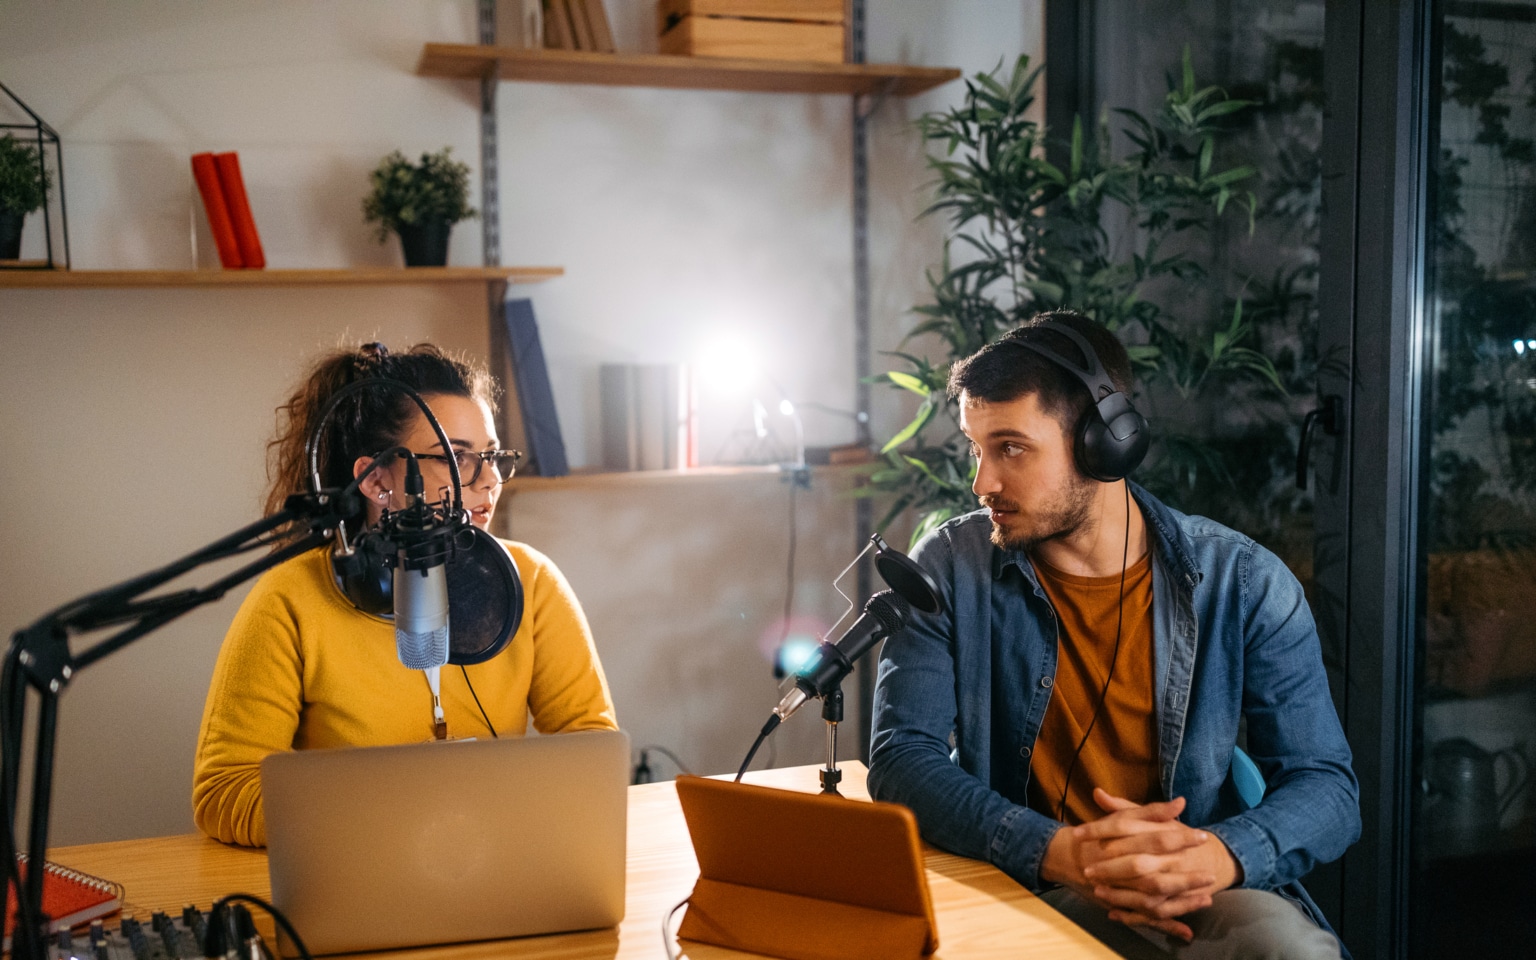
(382, 847)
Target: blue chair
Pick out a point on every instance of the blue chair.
(1247, 778)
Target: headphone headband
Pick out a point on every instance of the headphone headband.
(1093, 375)
(1112, 438)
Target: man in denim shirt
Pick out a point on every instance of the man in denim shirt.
(1072, 712)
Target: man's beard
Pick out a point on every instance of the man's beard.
(1055, 521)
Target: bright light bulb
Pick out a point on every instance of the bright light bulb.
(727, 363)
(1519, 347)
(786, 408)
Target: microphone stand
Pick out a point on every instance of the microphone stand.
(39, 659)
(832, 712)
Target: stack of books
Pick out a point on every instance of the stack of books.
(229, 211)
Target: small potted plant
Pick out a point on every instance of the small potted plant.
(24, 187)
(420, 202)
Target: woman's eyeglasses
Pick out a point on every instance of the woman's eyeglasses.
(502, 462)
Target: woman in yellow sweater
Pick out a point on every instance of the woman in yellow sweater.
(302, 668)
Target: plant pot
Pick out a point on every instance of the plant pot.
(10, 234)
(425, 244)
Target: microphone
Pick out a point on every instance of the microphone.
(884, 614)
(424, 541)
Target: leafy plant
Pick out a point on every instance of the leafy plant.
(436, 189)
(1109, 237)
(24, 181)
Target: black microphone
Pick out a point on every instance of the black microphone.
(884, 614)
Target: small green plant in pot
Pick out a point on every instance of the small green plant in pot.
(420, 202)
(24, 188)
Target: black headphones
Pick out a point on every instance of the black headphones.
(1112, 437)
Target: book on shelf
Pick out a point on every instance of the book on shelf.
(580, 29)
(232, 184)
(535, 396)
(597, 24)
(206, 172)
(557, 26)
(70, 897)
(577, 25)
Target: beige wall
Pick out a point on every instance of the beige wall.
(134, 421)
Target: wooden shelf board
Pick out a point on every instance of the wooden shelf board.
(586, 480)
(470, 62)
(272, 278)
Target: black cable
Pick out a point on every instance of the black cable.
(1125, 554)
(220, 912)
(762, 735)
(463, 670)
(670, 756)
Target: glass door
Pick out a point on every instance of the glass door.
(1474, 820)
(1409, 235)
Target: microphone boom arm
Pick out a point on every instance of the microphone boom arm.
(39, 657)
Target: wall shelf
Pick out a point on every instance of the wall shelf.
(597, 479)
(472, 62)
(273, 278)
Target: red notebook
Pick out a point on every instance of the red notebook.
(217, 208)
(233, 185)
(69, 897)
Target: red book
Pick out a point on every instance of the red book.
(70, 897)
(240, 218)
(207, 174)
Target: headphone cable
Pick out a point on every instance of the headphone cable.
(1125, 554)
(465, 671)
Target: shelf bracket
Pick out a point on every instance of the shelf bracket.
(490, 186)
(866, 105)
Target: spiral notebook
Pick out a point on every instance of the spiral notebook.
(70, 897)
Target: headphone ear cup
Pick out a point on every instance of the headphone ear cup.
(365, 578)
(1112, 439)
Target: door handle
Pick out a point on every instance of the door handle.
(1331, 417)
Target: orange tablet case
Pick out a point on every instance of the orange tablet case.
(805, 876)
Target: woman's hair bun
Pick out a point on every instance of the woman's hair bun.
(370, 357)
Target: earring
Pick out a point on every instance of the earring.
(384, 495)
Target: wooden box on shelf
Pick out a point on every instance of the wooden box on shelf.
(808, 30)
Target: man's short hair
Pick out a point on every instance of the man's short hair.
(1004, 370)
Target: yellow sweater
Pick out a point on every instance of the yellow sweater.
(301, 668)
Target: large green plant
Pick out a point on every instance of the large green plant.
(24, 181)
(407, 194)
(1112, 237)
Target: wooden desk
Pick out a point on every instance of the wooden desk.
(981, 913)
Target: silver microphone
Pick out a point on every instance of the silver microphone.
(421, 616)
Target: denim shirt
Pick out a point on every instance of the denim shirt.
(961, 695)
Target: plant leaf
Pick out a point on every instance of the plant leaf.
(924, 414)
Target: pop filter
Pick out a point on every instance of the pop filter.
(902, 574)
(485, 599)
(485, 594)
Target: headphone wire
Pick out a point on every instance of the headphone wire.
(464, 670)
(1125, 554)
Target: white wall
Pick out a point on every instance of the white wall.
(134, 421)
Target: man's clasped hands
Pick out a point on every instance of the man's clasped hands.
(1141, 864)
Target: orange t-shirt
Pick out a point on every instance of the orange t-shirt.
(1121, 752)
